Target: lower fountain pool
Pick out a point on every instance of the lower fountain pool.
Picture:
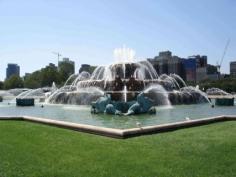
(81, 114)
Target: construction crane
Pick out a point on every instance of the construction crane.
(58, 56)
(219, 63)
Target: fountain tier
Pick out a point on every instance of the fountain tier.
(123, 82)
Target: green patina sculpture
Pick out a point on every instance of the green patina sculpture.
(142, 105)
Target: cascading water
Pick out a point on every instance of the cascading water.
(125, 93)
(158, 94)
(216, 91)
(200, 96)
(124, 80)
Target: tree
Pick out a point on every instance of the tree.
(13, 82)
(44, 77)
(49, 75)
(33, 80)
(226, 84)
(1, 85)
(65, 70)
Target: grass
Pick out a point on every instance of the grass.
(29, 149)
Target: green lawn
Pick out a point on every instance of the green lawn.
(29, 149)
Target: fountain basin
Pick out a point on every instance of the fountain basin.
(24, 101)
(224, 101)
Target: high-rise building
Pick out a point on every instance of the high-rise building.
(233, 68)
(165, 63)
(12, 69)
(200, 67)
(193, 69)
(190, 69)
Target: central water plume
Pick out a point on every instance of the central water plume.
(124, 55)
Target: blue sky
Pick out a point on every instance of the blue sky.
(87, 31)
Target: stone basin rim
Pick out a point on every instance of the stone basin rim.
(123, 133)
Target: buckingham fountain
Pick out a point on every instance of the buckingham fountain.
(91, 102)
(125, 87)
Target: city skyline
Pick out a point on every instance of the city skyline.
(88, 32)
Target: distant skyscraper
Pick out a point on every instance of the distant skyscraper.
(166, 63)
(193, 69)
(201, 67)
(12, 69)
(233, 68)
(190, 69)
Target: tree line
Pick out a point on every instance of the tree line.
(46, 76)
(40, 78)
(227, 84)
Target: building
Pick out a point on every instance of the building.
(176, 65)
(165, 63)
(12, 69)
(212, 73)
(193, 69)
(196, 68)
(211, 69)
(190, 69)
(233, 68)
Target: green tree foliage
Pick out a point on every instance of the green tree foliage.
(1, 85)
(41, 78)
(65, 70)
(49, 75)
(13, 82)
(33, 80)
(44, 77)
(92, 68)
(226, 84)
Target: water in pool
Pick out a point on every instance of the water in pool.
(81, 114)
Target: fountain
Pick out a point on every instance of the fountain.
(123, 88)
(124, 84)
(216, 91)
(221, 97)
